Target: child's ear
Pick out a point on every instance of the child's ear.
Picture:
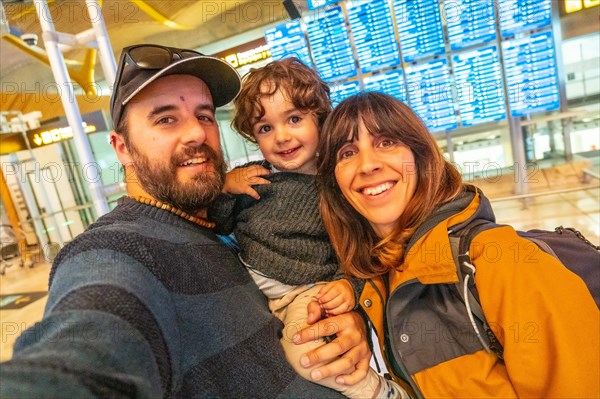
(118, 143)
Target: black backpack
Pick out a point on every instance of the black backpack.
(566, 244)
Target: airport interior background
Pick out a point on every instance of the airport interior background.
(510, 89)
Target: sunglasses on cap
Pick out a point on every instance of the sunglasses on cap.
(153, 56)
(149, 57)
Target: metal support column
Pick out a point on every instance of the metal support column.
(562, 83)
(109, 66)
(520, 162)
(61, 75)
(450, 146)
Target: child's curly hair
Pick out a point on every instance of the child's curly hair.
(300, 83)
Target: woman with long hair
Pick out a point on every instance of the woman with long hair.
(389, 201)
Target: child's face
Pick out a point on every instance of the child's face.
(287, 137)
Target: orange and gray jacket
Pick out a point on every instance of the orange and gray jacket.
(541, 313)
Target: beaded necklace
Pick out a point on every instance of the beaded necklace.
(161, 205)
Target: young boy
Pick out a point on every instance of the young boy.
(283, 243)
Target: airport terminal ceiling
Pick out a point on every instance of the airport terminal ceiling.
(179, 23)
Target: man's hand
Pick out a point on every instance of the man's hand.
(336, 297)
(240, 180)
(346, 357)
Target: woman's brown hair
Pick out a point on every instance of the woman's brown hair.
(360, 251)
(300, 83)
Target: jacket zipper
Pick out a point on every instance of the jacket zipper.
(389, 342)
(370, 324)
(424, 228)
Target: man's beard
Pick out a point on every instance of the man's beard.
(160, 181)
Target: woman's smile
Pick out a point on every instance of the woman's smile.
(377, 176)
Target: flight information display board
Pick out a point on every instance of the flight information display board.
(521, 15)
(330, 45)
(531, 75)
(373, 33)
(430, 94)
(470, 22)
(314, 4)
(341, 91)
(390, 83)
(287, 40)
(419, 28)
(479, 88)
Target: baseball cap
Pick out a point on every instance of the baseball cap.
(142, 64)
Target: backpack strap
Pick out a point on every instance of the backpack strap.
(543, 246)
(460, 242)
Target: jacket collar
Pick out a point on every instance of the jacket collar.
(428, 253)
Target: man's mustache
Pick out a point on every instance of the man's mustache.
(195, 151)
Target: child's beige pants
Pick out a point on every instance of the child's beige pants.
(291, 309)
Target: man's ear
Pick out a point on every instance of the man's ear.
(118, 143)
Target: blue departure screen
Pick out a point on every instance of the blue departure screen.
(521, 15)
(314, 4)
(341, 91)
(469, 22)
(373, 33)
(419, 28)
(330, 45)
(390, 83)
(287, 40)
(430, 94)
(531, 76)
(479, 87)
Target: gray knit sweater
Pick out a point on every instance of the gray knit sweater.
(282, 235)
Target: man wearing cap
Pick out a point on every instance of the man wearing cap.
(147, 302)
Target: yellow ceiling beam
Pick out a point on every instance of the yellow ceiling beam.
(84, 76)
(35, 51)
(80, 72)
(157, 16)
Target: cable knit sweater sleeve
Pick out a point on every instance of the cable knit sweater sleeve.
(225, 210)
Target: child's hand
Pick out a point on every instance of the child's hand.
(336, 297)
(240, 180)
